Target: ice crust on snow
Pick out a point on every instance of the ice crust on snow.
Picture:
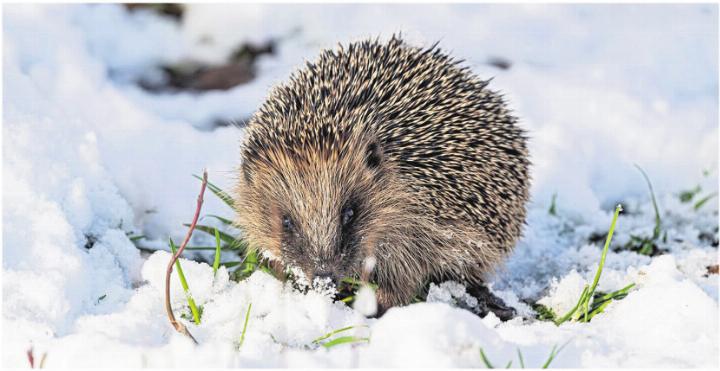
(89, 159)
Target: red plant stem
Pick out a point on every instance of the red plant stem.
(177, 325)
(30, 357)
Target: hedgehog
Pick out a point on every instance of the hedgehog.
(385, 161)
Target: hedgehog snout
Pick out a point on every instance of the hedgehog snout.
(325, 275)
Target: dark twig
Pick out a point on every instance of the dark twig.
(179, 326)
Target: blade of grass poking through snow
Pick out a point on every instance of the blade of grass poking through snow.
(345, 340)
(211, 231)
(520, 358)
(572, 311)
(687, 196)
(186, 288)
(137, 238)
(230, 264)
(221, 219)
(200, 248)
(216, 263)
(356, 283)
(348, 299)
(544, 313)
(590, 293)
(329, 334)
(599, 304)
(704, 200)
(247, 317)
(587, 294)
(485, 359)
(553, 354)
(232, 242)
(249, 265)
(553, 205)
(226, 198)
(658, 221)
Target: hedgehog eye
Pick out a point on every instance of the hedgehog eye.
(347, 215)
(287, 223)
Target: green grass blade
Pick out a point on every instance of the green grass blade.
(598, 309)
(352, 281)
(136, 238)
(687, 196)
(550, 358)
(355, 283)
(267, 270)
(329, 334)
(554, 354)
(544, 313)
(221, 219)
(599, 304)
(704, 200)
(520, 358)
(348, 299)
(646, 248)
(345, 340)
(247, 318)
(216, 263)
(587, 293)
(553, 205)
(619, 294)
(509, 364)
(186, 288)
(485, 359)
(618, 209)
(572, 311)
(200, 248)
(226, 198)
(209, 248)
(249, 264)
(658, 221)
(232, 242)
(583, 300)
(211, 231)
(231, 264)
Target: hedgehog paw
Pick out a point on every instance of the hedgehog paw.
(488, 302)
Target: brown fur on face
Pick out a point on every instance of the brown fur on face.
(430, 162)
(311, 188)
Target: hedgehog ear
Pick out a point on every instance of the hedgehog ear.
(373, 156)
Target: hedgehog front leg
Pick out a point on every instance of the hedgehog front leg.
(399, 291)
(278, 268)
(385, 301)
(488, 302)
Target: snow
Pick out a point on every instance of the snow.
(89, 158)
(365, 301)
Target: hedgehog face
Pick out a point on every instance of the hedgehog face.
(314, 208)
(323, 239)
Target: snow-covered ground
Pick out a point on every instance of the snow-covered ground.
(89, 157)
